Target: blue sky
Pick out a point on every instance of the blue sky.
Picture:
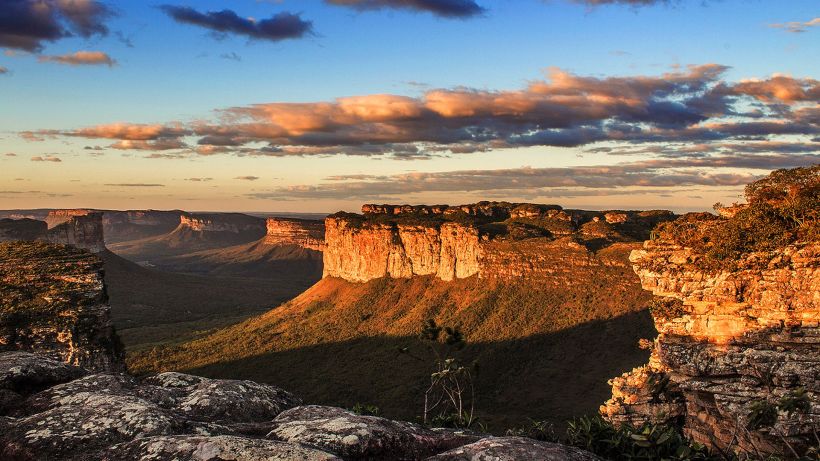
(171, 72)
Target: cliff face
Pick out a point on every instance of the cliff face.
(81, 231)
(222, 222)
(359, 253)
(57, 217)
(736, 337)
(53, 301)
(491, 239)
(300, 232)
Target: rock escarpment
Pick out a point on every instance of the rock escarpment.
(53, 300)
(299, 232)
(235, 223)
(401, 241)
(729, 340)
(80, 231)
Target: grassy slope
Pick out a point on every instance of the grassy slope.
(150, 306)
(181, 240)
(545, 348)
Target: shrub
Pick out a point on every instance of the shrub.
(666, 308)
(648, 442)
(782, 208)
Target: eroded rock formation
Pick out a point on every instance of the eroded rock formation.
(402, 241)
(728, 339)
(53, 300)
(83, 231)
(300, 232)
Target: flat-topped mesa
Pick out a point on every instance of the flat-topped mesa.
(53, 301)
(222, 222)
(22, 229)
(304, 233)
(453, 242)
(57, 217)
(80, 231)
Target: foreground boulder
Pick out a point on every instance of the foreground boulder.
(213, 448)
(515, 449)
(353, 436)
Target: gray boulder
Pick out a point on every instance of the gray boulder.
(220, 448)
(515, 449)
(357, 437)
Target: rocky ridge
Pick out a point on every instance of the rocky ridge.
(401, 241)
(728, 339)
(222, 222)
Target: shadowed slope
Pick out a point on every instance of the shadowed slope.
(545, 346)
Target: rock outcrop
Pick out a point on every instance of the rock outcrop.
(57, 217)
(53, 300)
(235, 223)
(22, 229)
(401, 241)
(729, 340)
(83, 231)
(303, 233)
(61, 412)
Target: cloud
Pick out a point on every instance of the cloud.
(135, 185)
(280, 26)
(27, 24)
(46, 158)
(11, 154)
(689, 106)
(247, 178)
(199, 179)
(653, 175)
(231, 56)
(592, 3)
(797, 27)
(4, 70)
(444, 8)
(81, 58)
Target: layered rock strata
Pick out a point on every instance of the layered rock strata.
(300, 232)
(53, 300)
(401, 241)
(80, 231)
(728, 341)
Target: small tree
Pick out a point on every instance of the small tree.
(449, 400)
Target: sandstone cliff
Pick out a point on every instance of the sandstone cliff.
(300, 232)
(401, 241)
(83, 231)
(728, 339)
(53, 300)
(235, 223)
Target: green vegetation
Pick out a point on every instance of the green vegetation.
(648, 442)
(781, 209)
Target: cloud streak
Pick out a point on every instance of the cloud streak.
(29, 24)
(648, 176)
(281, 26)
(46, 158)
(443, 8)
(81, 58)
(797, 27)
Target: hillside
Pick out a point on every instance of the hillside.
(150, 306)
(545, 346)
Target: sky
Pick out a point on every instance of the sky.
(322, 105)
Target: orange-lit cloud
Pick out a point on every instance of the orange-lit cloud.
(81, 58)
(797, 27)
